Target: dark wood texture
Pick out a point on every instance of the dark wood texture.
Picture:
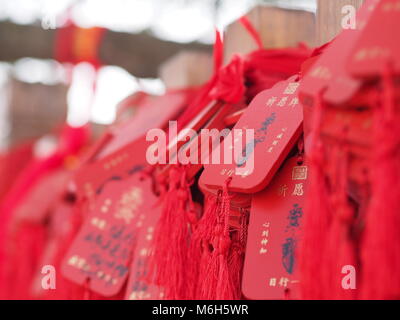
(140, 54)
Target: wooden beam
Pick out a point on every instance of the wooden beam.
(140, 54)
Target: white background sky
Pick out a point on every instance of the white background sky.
(177, 20)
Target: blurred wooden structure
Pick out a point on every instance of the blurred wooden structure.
(35, 109)
(186, 69)
(138, 53)
(329, 18)
(278, 28)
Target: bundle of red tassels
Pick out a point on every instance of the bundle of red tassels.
(350, 246)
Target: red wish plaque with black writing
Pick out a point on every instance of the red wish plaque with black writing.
(139, 286)
(91, 178)
(275, 119)
(274, 232)
(100, 255)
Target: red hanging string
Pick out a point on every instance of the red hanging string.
(251, 30)
(202, 98)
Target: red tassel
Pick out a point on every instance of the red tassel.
(311, 253)
(168, 262)
(235, 263)
(381, 237)
(217, 282)
(209, 226)
(205, 258)
(225, 289)
(28, 245)
(204, 240)
(199, 252)
(199, 249)
(236, 257)
(340, 245)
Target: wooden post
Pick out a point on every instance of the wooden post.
(277, 27)
(186, 69)
(329, 18)
(35, 109)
